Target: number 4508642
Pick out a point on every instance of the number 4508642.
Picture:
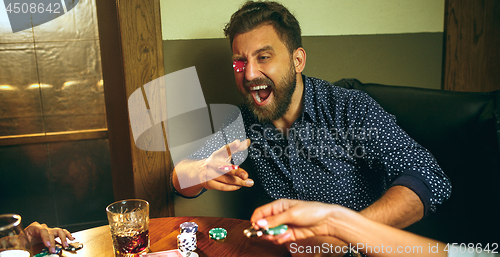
(33, 8)
(471, 248)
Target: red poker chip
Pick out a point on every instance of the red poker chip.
(239, 65)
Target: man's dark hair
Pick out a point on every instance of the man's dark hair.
(255, 14)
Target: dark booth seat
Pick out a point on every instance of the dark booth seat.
(462, 130)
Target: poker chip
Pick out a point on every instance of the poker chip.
(186, 242)
(278, 230)
(239, 65)
(252, 232)
(217, 233)
(189, 227)
(57, 249)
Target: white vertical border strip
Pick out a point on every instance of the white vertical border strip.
(4, 18)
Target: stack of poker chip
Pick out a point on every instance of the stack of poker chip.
(186, 240)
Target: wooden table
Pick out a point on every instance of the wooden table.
(163, 236)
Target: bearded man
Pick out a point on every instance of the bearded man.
(309, 139)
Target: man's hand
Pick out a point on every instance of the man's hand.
(213, 177)
(209, 174)
(37, 233)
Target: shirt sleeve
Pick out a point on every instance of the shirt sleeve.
(402, 161)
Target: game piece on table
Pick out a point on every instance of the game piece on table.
(189, 227)
(252, 232)
(278, 230)
(217, 233)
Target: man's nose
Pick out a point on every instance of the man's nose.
(252, 71)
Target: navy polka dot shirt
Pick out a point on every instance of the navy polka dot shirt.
(343, 149)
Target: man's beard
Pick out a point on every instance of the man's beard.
(282, 97)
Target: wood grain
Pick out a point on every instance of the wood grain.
(472, 40)
(163, 236)
(137, 49)
(51, 137)
(144, 63)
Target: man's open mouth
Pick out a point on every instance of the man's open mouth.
(261, 94)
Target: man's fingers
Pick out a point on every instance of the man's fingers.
(225, 182)
(242, 146)
(231, 179)
(233, 147)
(228, 169)
(243, 174)
(238, 146)
(213, 184)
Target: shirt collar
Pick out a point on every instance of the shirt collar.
(308, 101)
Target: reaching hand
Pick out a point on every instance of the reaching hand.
(304, 219)
(212, 177)
(37, 233)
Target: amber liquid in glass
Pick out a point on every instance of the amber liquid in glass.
(131, 245)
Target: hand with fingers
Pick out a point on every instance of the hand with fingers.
(38, 233)
(216, 172)
(304, 219)
(321, 222)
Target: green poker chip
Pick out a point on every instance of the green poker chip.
(217, 233)
(278, 230)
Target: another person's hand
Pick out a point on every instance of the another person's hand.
(304, 219)
(212, 177)
(309, 220)
(38, 233)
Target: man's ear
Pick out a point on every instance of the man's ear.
(299, 59)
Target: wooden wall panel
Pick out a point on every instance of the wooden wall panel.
(472, 40)
(132, 55)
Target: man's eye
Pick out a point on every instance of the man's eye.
(263, 57)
